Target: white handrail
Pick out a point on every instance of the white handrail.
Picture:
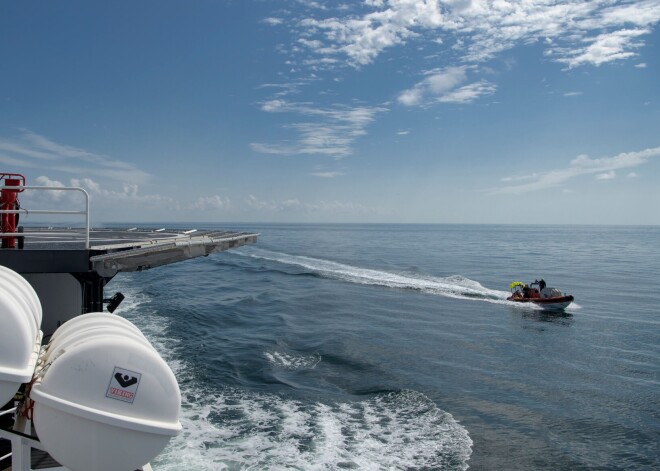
(53, 188)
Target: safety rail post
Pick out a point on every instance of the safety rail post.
(53, 188)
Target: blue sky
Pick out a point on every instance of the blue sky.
(451, 111)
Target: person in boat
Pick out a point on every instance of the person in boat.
(526, 291)
(541, 284)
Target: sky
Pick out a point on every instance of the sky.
(304, 111)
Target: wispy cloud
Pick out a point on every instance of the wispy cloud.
(519, 178)
(272, 205)
(312, 4)
(606, 47)
(468, 93)
(445, 86)
(273, 21)
(115, 196)
(467, 33)
(205, 203)
(328, 131)
(120, 185)
(294, 205)
(464, 34)
(31, 150)
(603, 169)
(126, 195)
(611, 175)
(577, 32)
(363, 38)
(327, 174)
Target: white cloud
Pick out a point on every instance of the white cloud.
(272, 205)
(45, 181)
(468, 93)
(55, 195)
(363, 39)
(31, 150)
(442, 86)
(606, 47)
(466, 33)
(482, 29)
(413, 96)
(273, 21)
(271, 106)
(328, 131)
(641, 65)
(283, 89)
(603, 169)
(638, 12)
(312, 4)
(611, 175)
(124, 195)
(632, 175)
(294, 205)
(519, 178)
(328, 174)
(204, 203)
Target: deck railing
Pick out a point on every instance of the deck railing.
(85, 212)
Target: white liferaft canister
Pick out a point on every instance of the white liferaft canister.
(90, 324)
(96, 319)
(107, 402)
(22, 289)
(20, 335)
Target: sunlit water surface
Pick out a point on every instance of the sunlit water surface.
(393, 347)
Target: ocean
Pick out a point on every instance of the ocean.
(376, 347)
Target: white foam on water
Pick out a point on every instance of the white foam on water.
(455, 286)
(232, 429)
(292, 362)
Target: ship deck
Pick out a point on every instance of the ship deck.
(114, 250)
(100, 255)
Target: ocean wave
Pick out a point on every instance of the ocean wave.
(233, 429)
(291, 361)
(226, 428)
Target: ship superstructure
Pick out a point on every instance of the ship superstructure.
(68, 268)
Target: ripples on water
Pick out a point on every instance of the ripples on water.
(231, 428)
(393, 347)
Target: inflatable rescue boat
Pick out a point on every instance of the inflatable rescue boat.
(537, 293)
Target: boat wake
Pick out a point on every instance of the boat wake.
(227, 428)
(396, 430)
(292, 362)
(455, 286)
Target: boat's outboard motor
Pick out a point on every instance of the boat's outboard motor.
(20, 335)
(550, 293)
(104, 400)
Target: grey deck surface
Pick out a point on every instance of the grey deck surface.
(115, 250)
(55, 238)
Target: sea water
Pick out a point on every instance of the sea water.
(393, 347)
